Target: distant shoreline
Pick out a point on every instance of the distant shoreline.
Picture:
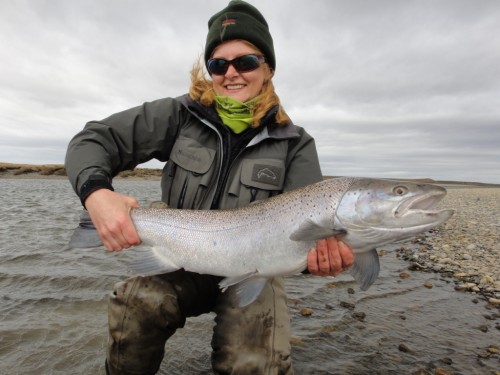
(57, 171)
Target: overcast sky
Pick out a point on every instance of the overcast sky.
(388, 88)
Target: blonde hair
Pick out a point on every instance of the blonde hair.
(202, 90)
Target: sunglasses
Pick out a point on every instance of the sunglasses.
(242, 64)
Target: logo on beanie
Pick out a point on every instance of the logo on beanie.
(228, 22)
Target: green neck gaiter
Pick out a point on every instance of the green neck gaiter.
(234, 114)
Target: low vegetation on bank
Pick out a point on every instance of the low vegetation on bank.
(10, 170)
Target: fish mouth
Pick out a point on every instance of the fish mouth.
(422, 204)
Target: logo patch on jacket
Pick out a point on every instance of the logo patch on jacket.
(267, 174)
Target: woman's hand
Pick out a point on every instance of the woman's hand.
(110, 213)
(331, 257)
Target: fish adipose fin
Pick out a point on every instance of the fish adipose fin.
(85, 235)
(151, 262)
(310, 231)
(366, 268)
(248, 287)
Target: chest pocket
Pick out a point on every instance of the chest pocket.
(258, 179)
(188, 174)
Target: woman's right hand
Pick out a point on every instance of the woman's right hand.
(110, 213)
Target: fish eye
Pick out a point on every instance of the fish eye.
(400, 190)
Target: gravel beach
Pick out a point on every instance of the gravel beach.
(466, 247)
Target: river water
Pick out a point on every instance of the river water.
(53, 304)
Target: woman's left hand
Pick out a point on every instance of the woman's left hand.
(331, 257)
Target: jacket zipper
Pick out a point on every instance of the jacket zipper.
(223, 173)
(221, 158)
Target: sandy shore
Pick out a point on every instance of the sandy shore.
(466, 247)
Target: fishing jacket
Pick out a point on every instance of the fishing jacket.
(207, 166)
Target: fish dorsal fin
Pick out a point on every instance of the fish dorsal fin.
(248, 287)
(158, 204)
(366, 268)
(311, 231)
(149, 261)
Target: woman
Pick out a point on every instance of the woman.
(215, 140)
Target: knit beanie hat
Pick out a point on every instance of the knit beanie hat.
(240, 20)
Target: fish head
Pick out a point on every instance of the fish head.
(375, 212)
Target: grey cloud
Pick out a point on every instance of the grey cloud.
(388, 88)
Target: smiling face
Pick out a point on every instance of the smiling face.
(239, 86)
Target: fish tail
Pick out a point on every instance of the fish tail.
(85, 235)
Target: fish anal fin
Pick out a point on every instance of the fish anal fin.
(233, 280)
(311, 231)
(366, 268)
(248, 287)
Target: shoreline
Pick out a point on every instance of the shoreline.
(466, 248)
(51, 171)
(57, 171)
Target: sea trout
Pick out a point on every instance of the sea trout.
(272, 237)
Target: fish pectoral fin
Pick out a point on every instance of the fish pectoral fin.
(85, 235)
(248, 287)
(366, 268)
(150, 261)
(311, 231)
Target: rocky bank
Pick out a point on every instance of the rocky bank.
(466, 247)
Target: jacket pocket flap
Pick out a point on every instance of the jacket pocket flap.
(191, 155)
